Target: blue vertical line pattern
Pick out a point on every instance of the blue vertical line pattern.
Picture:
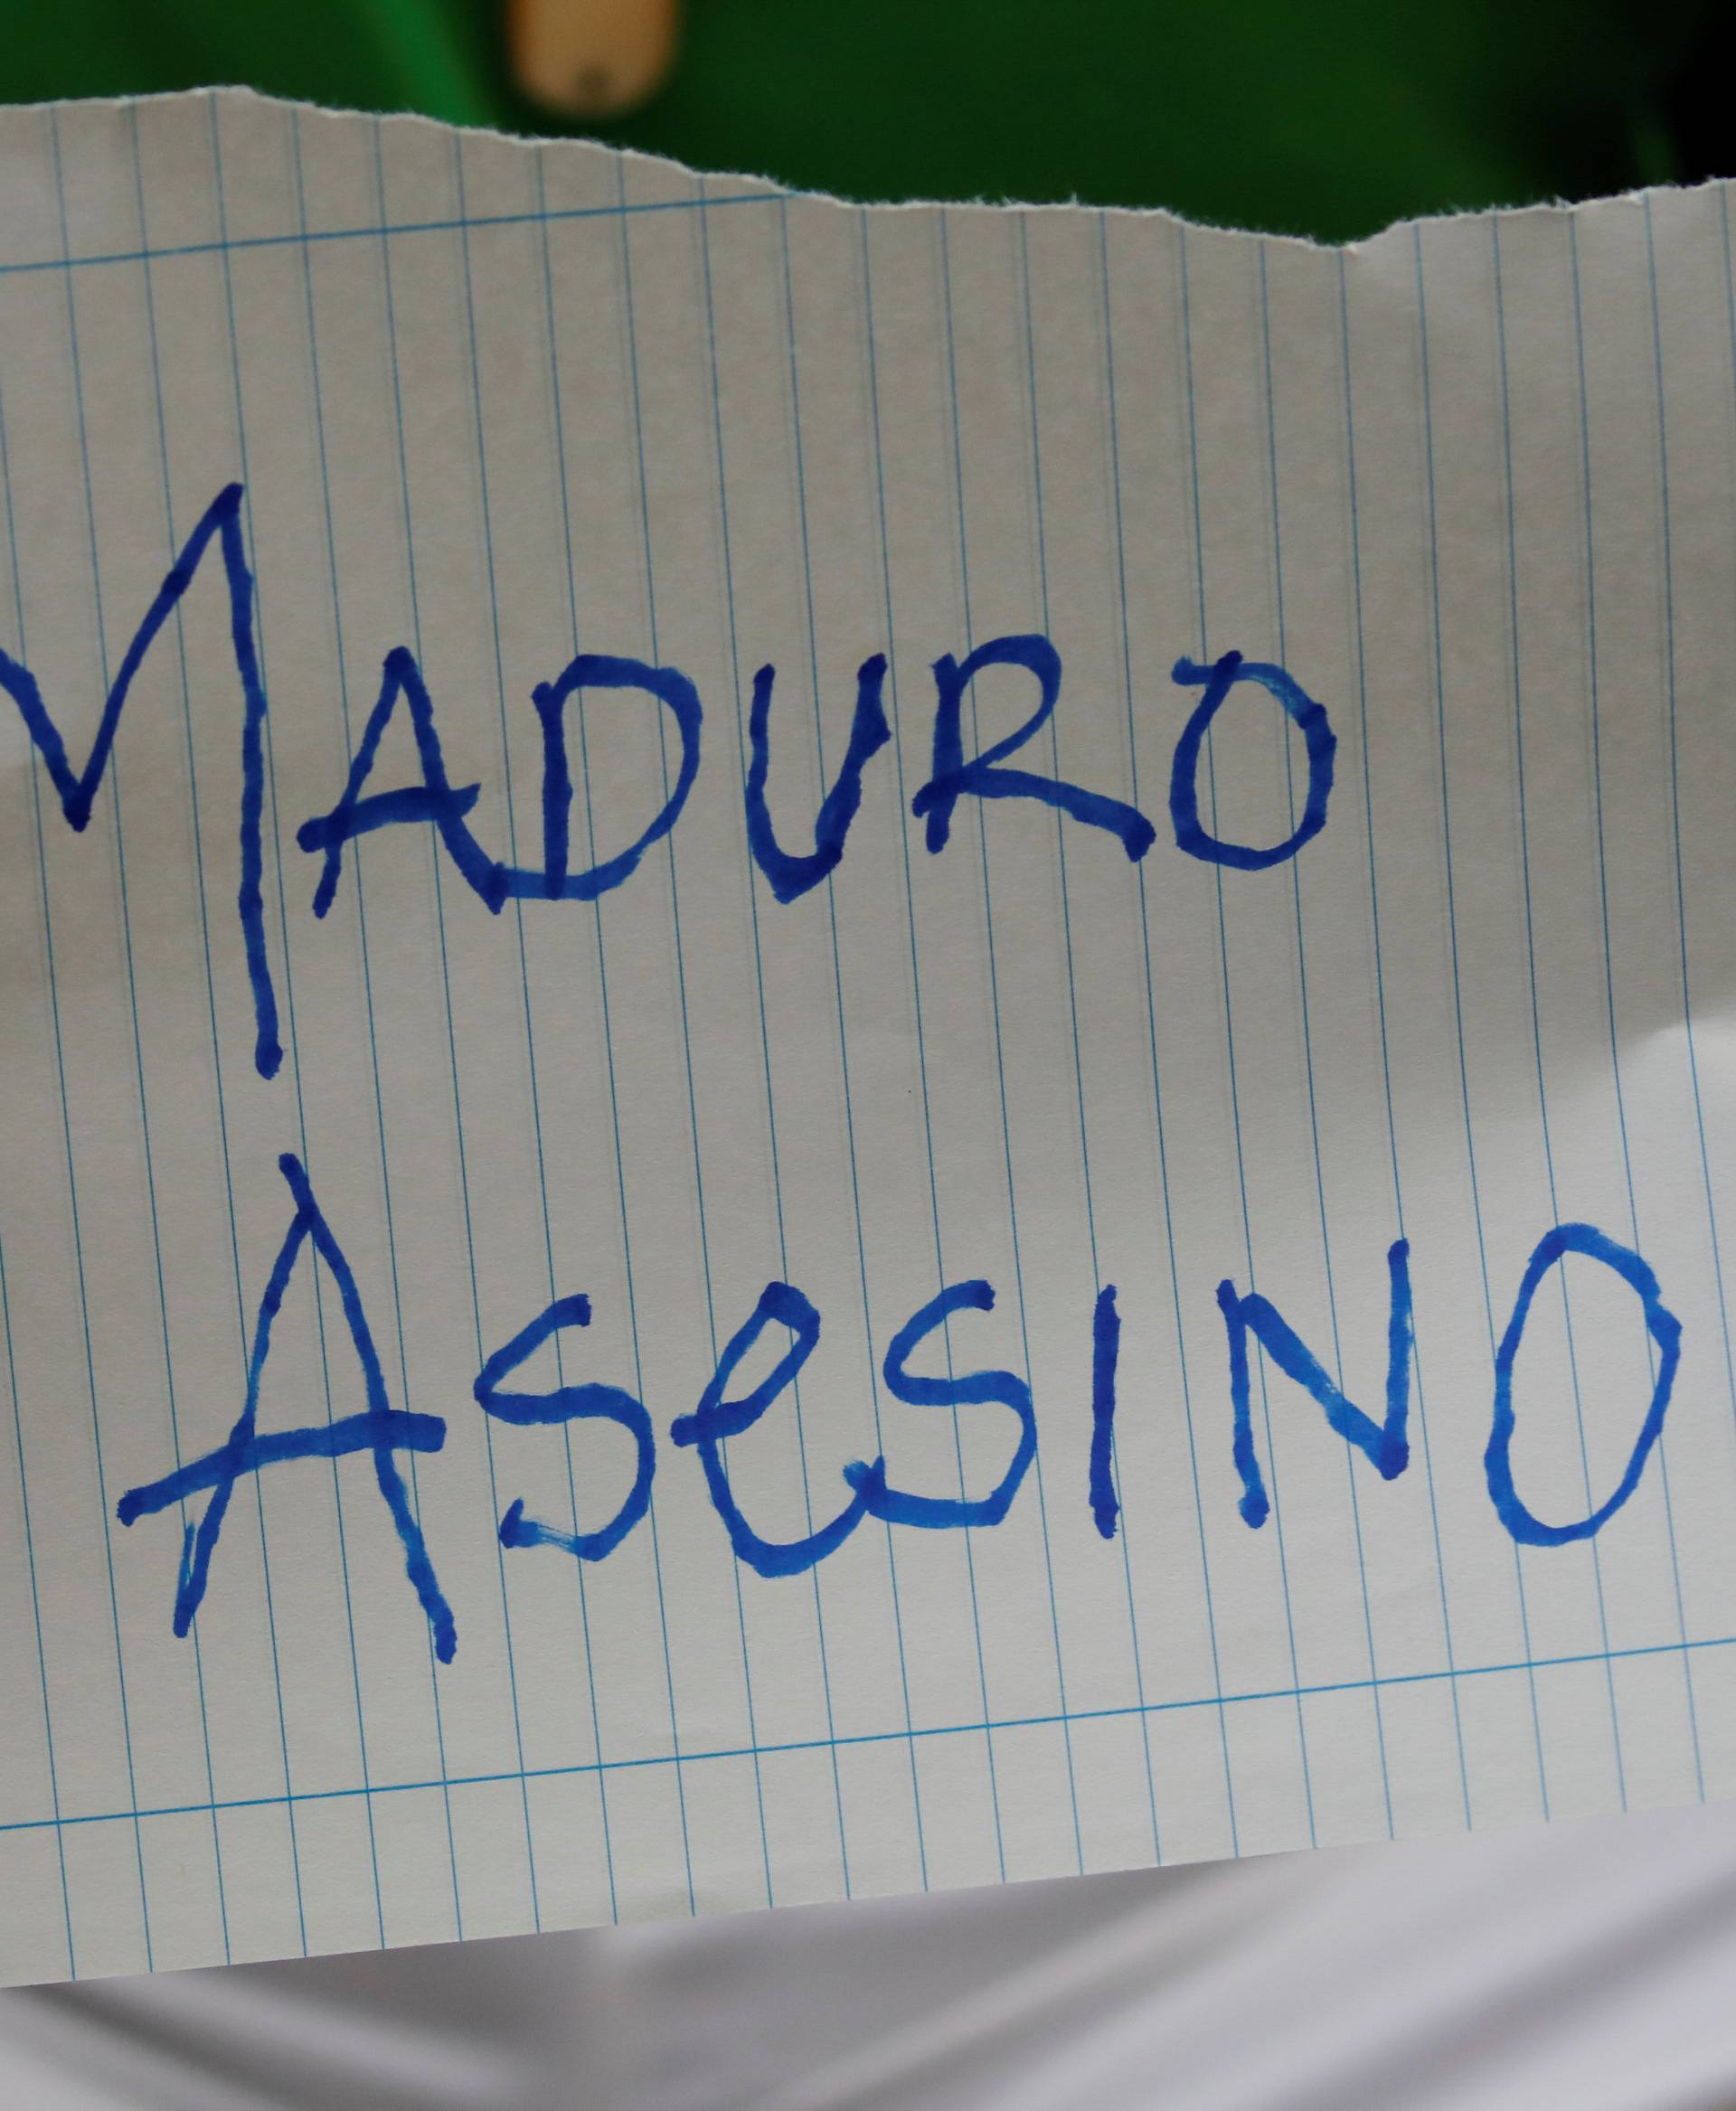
(1151, 1020)
(1531, 969)
(873, 405)
(66, 1112)
(30, 1555)
(570, 574)
(127, 938)
(211, 994)
(524, 977)
(1426, 379)
(703, 240)
(1681, 924)
(1023, 222)
(315, 381)
(1230, 1022)
(289, 1001)
(12, 1363)
(994, 1015)
(608, 1035)
(771, 1119)
(301, 1118)
(916, 993)
(1380, 1007)
(674, 910)
(434, 859)
(676, 929)
(1675, 775)
(837, 964)
(1594, 700)
(1288, 745)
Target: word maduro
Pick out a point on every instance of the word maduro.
(435, 802)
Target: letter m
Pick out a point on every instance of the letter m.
(77, 788)
(1382, 1443)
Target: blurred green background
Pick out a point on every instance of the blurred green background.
(1330, 118)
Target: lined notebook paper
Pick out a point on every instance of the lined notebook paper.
(844, 1050)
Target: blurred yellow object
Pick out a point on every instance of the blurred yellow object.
(592, 57)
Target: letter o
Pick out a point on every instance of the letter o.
(1317, 736)
(1665, 1329)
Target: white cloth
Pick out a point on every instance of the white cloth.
(1591, 1966)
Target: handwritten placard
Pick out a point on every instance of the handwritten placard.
(844, 1050)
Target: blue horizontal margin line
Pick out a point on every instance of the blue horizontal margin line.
(877, 1737)
(389, 229)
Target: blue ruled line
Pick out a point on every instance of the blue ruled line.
(1594, 701)
(30, 1564)
(66, 1131)
(681, 968)
(301, 1111)
(5, 1317)
(524, 970)
(564, 488)
(221, 205)
(758, 961)
(792, 375)
(1530, 1666)
(1515, 651)
(916, 995)
(1023, 222)
(1439, 657)
(1000, 1051)
(1380, 1006)
(1675, 764)
(872, 379)
(436, 862)
(1284, 732)
(1229, 1018)
(1104, 276)
(211, 992)
(377, 231)
(557, 435)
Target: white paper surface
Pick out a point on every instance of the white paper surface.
(1471, 486)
